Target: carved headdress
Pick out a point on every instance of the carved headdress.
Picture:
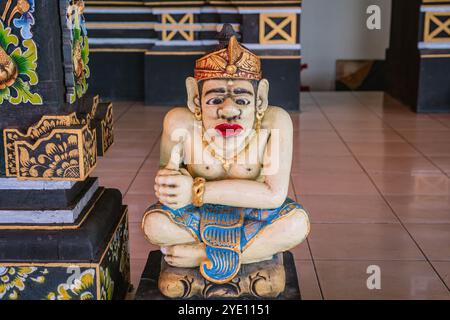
(230, 60)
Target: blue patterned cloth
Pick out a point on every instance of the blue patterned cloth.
(226, 231)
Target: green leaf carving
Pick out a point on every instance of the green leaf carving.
(4, 94)
(23, 94)
(26, 62)
(6, 38)
(25, 58)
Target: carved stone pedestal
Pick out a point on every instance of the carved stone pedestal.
(274, 279)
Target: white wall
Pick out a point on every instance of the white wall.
(336, 29)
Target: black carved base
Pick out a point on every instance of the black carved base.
(434, 94)
(148, 285)
(40, 199)
(49, 262)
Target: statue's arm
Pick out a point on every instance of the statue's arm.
(276, 169)
(173, 130)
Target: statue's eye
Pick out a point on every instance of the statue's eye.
(216, 100)
(242, 101)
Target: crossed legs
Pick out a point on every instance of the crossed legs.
(182, 249)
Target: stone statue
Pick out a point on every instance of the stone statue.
(226, 162)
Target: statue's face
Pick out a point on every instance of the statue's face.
(228, 106)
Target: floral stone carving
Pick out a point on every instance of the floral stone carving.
(57, 148)
(76, 51)
(67, 154)
(18, 55)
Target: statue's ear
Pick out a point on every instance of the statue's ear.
(193, 99)
(262, 99)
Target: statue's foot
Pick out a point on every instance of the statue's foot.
(185, 255)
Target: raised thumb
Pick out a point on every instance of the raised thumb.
(175, 157)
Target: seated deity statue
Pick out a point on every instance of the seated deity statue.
(225, 171)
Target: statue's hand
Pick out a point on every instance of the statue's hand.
(174, 188)
(173, 185)
(185, 255)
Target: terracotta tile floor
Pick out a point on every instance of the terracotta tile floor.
(373, 175)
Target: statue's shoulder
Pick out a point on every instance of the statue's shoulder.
(276, 116)
(178, 117)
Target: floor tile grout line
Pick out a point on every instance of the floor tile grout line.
(381, 194)
(379, 191)
(143, 162)
(402, 136)
(438, 120)
(125, 111)
(145, 158)
(307, 242)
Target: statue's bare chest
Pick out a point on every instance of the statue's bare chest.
(217, 171)
(246, 165)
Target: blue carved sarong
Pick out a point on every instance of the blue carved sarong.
(226, 232)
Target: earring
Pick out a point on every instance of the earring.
(198, 113)
(197, 109)
(259, 117)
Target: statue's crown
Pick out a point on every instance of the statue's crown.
(229, 60)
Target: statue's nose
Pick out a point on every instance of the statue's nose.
(229, 112)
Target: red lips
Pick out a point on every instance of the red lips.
(228, 129)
